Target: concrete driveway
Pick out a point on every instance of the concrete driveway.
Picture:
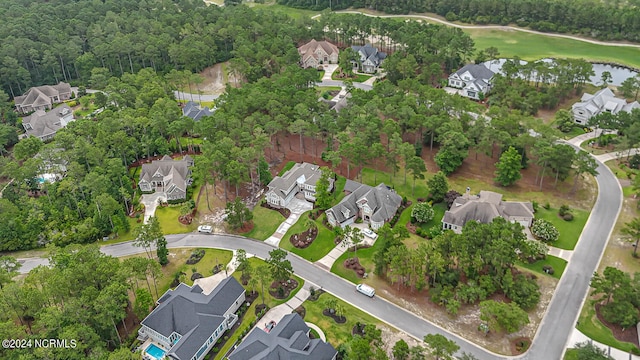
(297, 208)
(150, 202)
(328, 71)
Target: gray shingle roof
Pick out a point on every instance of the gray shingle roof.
(484, 208)
(174, 172)
(604, 99)
(193, 110)
(304, 172)
(368, 52)
(188, 312)
(288, 340)
(478, 71)
(41, 124)
(41, 95)
(383, 201)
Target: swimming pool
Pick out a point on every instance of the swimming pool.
(155, 351)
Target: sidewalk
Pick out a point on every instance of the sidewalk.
(561, 253)
(617, 154)
(288, 307)
(577, 336)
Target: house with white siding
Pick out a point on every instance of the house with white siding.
(187, 323)
(300, 179)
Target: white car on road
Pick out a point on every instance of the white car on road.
(369, 233)
(208, 229)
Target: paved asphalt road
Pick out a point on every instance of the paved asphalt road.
(552, 334)
(571, 291)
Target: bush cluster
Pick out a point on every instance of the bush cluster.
(544, 230)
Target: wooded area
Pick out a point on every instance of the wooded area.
(611, 20)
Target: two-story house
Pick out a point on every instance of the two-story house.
(45, 125)
(315, 53)
(167, 175)
(301, 178)
(474, 80)
(370, 58)
(602, 101)
(374, 205)
(187, 323)
(42, 97)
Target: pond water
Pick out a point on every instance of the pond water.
(618, 74)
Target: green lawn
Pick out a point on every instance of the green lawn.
(338, 192)
(438, 213)
(571, 354)
(533, 47)
(569, 230)
(336, 333)
(286, 167)
(365, 256)
(177, 262)
(318, 248)
(359, 78)
(556, 263)
(250, 315)
(265, 223)
(292, 12)
(168, 217)
(375, 177)
(589, 325)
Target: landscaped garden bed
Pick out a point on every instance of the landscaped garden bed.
(629, 334)
(281, 290)
(195, 257)
(304, 239)
(338, 319)
(300, 310)
(354, 264)
(520, 345)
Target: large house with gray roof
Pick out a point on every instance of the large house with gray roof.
(187, 323)
(43, 97)
(195, 111)
(602, 101)
(300, 179)
(315, 53)
(473, 80)
(289, 339)
(483, 208)
(45, 125)
(167, 175)
(370, 58)
(374, 205)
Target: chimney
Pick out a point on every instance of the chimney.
(467, 193)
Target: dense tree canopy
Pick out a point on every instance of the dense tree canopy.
(590, 18)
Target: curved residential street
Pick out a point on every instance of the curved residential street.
(554, 331)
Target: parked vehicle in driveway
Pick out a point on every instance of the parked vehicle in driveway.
(366, 290)
(207, 229)
(370, 233)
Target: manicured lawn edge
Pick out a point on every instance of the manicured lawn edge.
(556, 263)
(320, 247)
(569, 230)
(589, 325)
(336, 333)
(265, 223)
